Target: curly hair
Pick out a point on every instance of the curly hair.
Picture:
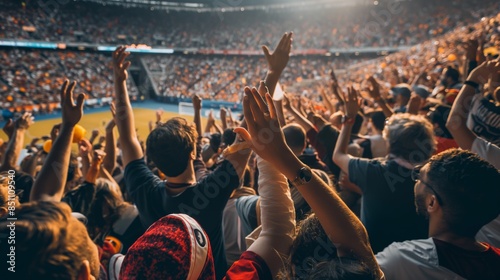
(313, 256)
(170, 144)
(468, 186)
(49, 243)
(410, 137)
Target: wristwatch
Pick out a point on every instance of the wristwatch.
(304, 176)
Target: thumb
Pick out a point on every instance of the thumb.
(266, 51)
(243, 133)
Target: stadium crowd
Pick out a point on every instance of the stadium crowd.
(388, 24)
(29, 79)
(390, 171)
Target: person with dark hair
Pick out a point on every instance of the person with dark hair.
(450, 78)
(458, 193)
(385, 184)
(374, 145)
(402, 95)
(296, 139)
(438, 116)
(172, 148)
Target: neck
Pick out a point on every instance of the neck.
(438, 230)
(186, 177)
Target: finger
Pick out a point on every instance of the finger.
(69, 93)
(261, 108)
(272, 109)
(126, 65)
(79, 101)
(265, 49)
(289, 43)
(64, 87)
(244, 134)
(282, 42)
(247, 111)
(262, 88)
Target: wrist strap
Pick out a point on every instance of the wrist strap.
(472, 84)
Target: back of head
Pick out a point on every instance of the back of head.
(358, 122)
(438, 116)
(468, 186)
(313, 256)
(410, 137)
(452, 73)
(49, 243)
(174, 247)
(170, 145)
(378, 120)
(295, 137)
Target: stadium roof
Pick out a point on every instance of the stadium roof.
(225, 5)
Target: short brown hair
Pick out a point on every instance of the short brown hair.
(49, 242)
(410, 137)
(170, 144)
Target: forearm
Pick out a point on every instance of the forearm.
(277, 217)
(109, 162)
(93, 173)
(456, 123)
(301, 120)
(197, 121)
(49, 185)
(13, 150)
(129, 143)
(279, 112)
(340, 154)
(271, 81)
(85, 165)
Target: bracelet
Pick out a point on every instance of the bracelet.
(472, 84)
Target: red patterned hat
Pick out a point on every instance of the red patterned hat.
(174, 247)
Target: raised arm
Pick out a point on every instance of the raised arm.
(16, 142)
(341, 156)
(124, 117)
(277, 61)
(457, 119)
(299, 118)
(341, 225)
(49, 185)
(197, 113)
(276, 206)
(85, 150)
(377, 97)
(109, 162)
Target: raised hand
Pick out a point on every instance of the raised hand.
(287, 103)
(482, 73)
(120, 66)
(159, 114)
(414, 104)
(352, 103)
(333, 77)
(25, 121)
(279, 58)
(374, 91)
(84, 148)
(196, 102)
(264, 132)
(223, 114)
(98, 157)
(71, 114)
(110, 125)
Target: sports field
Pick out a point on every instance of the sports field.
(98, 120)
